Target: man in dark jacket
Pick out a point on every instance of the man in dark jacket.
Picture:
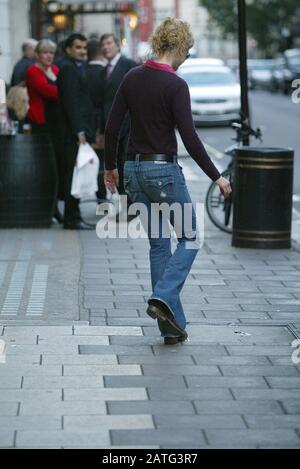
(96, 63)
(78, 118)
(24, 63)
(112, 77)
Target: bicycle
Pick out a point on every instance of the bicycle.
(219, 209)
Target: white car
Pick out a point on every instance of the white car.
(215, 93)
(203, 61)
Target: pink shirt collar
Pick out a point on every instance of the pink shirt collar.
(164, 67)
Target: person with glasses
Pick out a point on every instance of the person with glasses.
(158, 101)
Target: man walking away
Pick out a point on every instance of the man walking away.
(78, 118)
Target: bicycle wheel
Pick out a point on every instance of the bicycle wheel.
(218, 208)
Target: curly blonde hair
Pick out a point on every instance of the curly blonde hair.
(172, 35)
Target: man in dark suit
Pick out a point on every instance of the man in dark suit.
(28, 58)
(96, 63)
(112, 77)
(78, 117)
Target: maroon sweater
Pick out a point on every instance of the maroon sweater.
(158, 101)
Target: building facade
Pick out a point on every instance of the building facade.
(14, 28)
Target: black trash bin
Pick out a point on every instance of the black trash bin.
(28, 181)
(262, 196)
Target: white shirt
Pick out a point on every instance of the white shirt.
(103, 63)
(115, 60)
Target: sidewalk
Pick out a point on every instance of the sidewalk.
(86, 368)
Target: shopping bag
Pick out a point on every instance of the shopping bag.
(85, 174)
(115, 203)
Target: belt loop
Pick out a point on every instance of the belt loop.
(137, 157)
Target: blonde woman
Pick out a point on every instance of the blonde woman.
(158, 101)
(44, 114)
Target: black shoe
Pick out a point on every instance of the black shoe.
(79, 225)
(158, 310)
(174, 340)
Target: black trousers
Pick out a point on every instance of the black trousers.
(72, 212)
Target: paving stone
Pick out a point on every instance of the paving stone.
(150, 407)
(63, 408)
(162, 382)
(98, 322)
(257, 335)
(121, 313)
(255, 407)
(108, 422)
(38, 349)
(8, 408)
(20, 340)
(105, 394)
(49, 331)
(287, 361)
(108, 330)
(59, 439)
(20, 360)
(277, 394)
(35, 422)
(12, 382)
(115, 349)
(29, 370)
(291, 406)
(226, 382)
(190, 394)
(232, 360)
(6, 438)
(180, 370)
(79, 359)
(137, 341)
(199, 421)
(189, 348)
(156, 360)
(283, 383)
(60, 382)
(86, 370)
(18, 395)
(273, 422)
(261, 437)
(258, 370)
(184, 436)
(259, 350)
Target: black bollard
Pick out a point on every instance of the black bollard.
(262, 198)
(28, 181)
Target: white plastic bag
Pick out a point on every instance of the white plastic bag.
(115, 205)
(85, 174)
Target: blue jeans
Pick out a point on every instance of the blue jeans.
(151, 183)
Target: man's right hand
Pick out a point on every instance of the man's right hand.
(224, 186)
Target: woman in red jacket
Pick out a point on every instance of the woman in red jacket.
(43, 114)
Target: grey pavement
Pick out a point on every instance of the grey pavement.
(85, 367)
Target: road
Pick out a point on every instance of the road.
(279, 119)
